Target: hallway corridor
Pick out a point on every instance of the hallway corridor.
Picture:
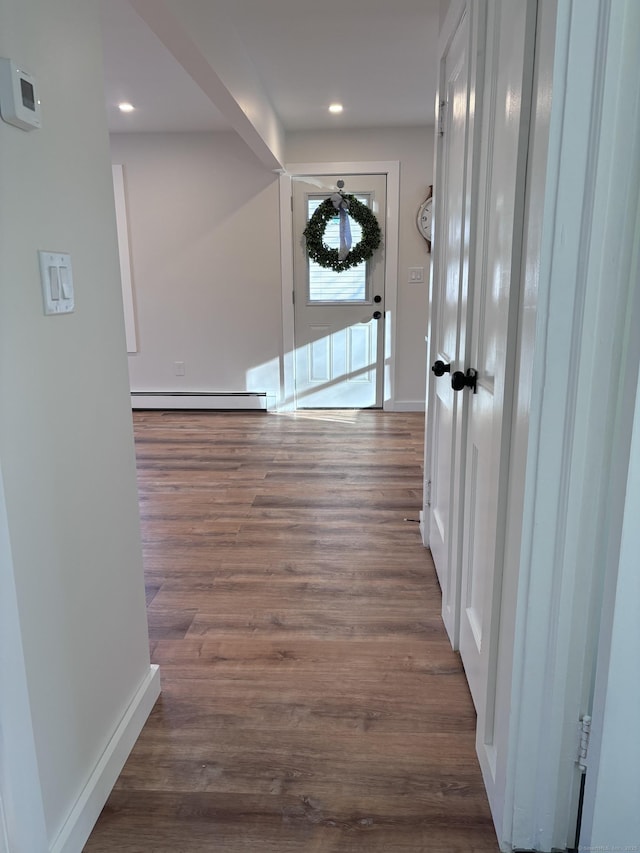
(311, 702)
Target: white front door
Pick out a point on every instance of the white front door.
(339, 317)
(492, 354)
(449, 310)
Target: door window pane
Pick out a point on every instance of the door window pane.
(326, 285)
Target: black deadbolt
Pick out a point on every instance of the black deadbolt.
(377, 315)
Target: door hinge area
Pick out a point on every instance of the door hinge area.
(291, 204)
(441, 117)
(427, 491)
(584, 734)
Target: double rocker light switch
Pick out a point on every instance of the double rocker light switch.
(57, 282)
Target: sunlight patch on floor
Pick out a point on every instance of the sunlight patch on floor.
(342, 416)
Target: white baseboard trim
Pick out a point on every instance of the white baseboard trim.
(264, 401)
(407, 406)
(86, 811)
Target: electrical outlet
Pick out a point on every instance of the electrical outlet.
(178, 367)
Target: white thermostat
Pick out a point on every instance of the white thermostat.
(19, 102)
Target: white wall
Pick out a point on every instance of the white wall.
(413, 147)
(204, 236)
(612, 817)
(21, 808)
(444, 8)
(66, 445)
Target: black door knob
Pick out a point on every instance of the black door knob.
(377, 298)
(460, 380)
(377, 315)
(440, 368)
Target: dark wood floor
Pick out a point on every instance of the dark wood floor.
(311, 702)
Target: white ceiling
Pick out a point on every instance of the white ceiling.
(377, 57)
(138, 68)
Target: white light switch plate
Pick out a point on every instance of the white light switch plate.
(57, 282)
(416, 275)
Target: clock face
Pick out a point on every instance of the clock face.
(424, 219)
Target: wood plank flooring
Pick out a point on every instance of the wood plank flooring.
(311, 701)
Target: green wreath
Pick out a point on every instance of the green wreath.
(362, 251)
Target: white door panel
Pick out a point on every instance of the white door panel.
(448, 324)
(504, 140)
(479, 545)
(339, 346)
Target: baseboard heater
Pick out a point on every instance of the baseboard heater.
(258, 400)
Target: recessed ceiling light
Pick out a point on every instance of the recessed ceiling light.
(126, 107)
(336, 108)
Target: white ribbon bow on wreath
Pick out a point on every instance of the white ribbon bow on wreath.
(342, 206)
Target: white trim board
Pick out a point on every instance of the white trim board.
(77, 828)
(122, 227)
(390, 168)
(407, 406)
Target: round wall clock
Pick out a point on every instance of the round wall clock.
(424, 220)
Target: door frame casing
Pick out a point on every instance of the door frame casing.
(581, 414)
(390, 168)
(613, 764)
